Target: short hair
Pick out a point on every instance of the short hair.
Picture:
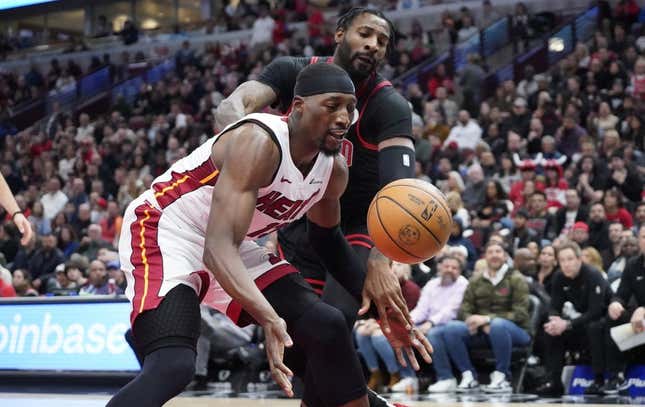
(617, 222)
(492, 243)
(451, 257)
(570, 245)
(346, 20)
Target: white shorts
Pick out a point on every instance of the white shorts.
(159, 250)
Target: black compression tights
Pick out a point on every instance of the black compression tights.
(165, 374)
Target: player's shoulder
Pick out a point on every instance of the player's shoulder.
(259, 129)
(388, 95)
(296, 63)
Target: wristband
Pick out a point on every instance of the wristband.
(14, 215)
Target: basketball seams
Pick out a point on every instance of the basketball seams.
(378, 215)
(412, 215)
(438, 201)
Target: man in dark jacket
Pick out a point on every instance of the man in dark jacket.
(621, 311)
(568, 215)
(598, 227)
(578, 299)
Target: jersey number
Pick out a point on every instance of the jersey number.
(347, 150)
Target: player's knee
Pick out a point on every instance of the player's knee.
(179, 371)
(329, 324)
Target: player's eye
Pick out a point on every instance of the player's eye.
(331, 108)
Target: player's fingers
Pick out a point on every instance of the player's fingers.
(286, 339)
(399, 357)
(365, 306)
(282, 380)
(423, 346)
(412, 358)
(399, 305)
(282, 368)
(398, 315)
(385, 324)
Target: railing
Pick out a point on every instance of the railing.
(91, 86)
(489, 41)
(554, 47)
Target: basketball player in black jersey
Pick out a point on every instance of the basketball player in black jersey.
(378, 149)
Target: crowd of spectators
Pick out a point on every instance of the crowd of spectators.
(544, 179)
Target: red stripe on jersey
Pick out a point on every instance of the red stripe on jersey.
(168, 192)
(360, 243)
(280, 252)
(146, 259)
(365, 144)
(358, 236)
(206, 282)
(315, 281)
(234, 309)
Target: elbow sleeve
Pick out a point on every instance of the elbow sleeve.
(395, 162)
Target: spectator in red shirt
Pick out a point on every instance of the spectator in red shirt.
(6, 290)
(614, 211)
(440, 78)
(315, 22)
(626, 12)
(527, 168)
(410, 290)
(111, 225)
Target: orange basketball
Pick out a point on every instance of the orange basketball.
(409, 220)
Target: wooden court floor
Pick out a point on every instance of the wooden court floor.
(64, 400)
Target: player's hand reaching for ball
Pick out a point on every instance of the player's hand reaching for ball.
(406, 340)
(275, 332)
(382, 286)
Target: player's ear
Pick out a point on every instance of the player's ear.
(298, 105)
(340, 34)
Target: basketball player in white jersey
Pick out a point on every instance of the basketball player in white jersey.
(190, 238)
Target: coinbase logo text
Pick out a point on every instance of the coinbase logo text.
(84, 335)
(49, 337)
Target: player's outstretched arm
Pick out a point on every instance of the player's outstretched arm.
(328, 241)
(249, 97)
(396, 161)
(249, 161)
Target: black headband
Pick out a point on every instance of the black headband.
(319, 78)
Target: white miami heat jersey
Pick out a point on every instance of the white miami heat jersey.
(186, 188)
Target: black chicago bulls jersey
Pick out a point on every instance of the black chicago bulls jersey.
(384, 114)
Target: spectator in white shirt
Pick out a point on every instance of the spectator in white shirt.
(262, 28)
(54, 200)
(466, 133)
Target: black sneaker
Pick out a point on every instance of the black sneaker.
(550, 389)
(199, 383)
(594, 389)
(615, 386)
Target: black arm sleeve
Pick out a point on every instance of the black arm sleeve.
(395, 162)
(281, 75)
(596, 287)
(624, 292)
(338, 257)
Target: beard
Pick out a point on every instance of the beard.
(346, 60)
(330, 152)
